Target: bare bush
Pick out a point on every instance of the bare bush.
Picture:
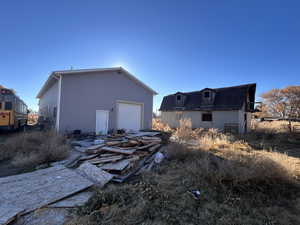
(157, 124)
(33, 148)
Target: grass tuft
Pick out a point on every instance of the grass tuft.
(29, 149)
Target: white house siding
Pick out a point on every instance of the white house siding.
(48, 102)
(218, 118)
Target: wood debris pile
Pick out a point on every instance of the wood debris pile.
(120, 155)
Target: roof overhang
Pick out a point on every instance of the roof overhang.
(55, 74)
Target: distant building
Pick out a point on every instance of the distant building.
(227, 109)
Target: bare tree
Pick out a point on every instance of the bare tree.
(282, 102)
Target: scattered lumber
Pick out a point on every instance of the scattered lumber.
(95, 174)
(105, 159)
(118, 166)
(26, 192)
(154, 148)
(118, 150)
(72, 162)
(93, 147)
(146, 146)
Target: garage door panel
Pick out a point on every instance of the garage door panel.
(129, 116)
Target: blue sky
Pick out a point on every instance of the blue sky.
(170, 45)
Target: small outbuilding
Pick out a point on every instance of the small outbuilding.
(96, 100)
(226, 109)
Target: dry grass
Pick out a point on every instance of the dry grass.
(238, 184)
(241, 188)
(29, 149)
(158, 125)
(274, 127)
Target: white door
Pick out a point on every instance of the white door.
(129, 116)
(102, 121)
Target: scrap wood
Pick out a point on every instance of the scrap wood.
(114, 143)
(133, 159)
(146, 146)
(82, 158)
(118, 150)
(146, 142)
(26, 192)
(120, 165)
(93, 151)
(151, 138)
(73, 161)
(130, 143)
(93, 147)
(155, 147)
(75, 200)
(107, 155)
(139, 134)
(105, 159)
(95, 174)
(123, 178)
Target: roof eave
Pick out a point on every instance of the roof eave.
(62, 72)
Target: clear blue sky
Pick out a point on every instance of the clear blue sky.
(170, 45)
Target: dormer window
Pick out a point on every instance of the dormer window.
(206, 94)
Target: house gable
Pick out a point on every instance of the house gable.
(228, 98)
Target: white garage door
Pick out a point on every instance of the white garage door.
(129, 116)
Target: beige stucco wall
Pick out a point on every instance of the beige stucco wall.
(218, 118)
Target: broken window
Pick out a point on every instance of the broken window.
(178, 97)
(206, 117)
(206, 94)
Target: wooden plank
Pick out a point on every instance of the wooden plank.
(78, 199)
(95, 174)
(94, 147)
(117, 150)
(154, 148)
(146, 146)
(105, 159)
(29, 191)
(119, 166)
(88, 157)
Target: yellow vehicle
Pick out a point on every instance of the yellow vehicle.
(13, 111)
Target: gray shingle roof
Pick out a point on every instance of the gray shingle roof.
(227, 98)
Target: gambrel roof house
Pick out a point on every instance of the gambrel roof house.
(226, 108)
(96, 100)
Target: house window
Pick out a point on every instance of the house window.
(8, 106)
(0, 105)
(178, 97)
(206, 94)
(206, 117)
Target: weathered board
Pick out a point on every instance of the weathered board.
(95, 174)
(29, 191)
(78, 199)
(119, 166)
(117, 150)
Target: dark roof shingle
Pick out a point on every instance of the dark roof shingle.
(228, 98)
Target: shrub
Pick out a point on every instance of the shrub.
(157, 124)
(33, 148)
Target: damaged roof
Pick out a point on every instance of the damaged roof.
(227, 98)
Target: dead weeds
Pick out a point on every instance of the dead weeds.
(238, 183)
(29, 149)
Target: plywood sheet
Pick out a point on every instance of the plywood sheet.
(26, 192)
